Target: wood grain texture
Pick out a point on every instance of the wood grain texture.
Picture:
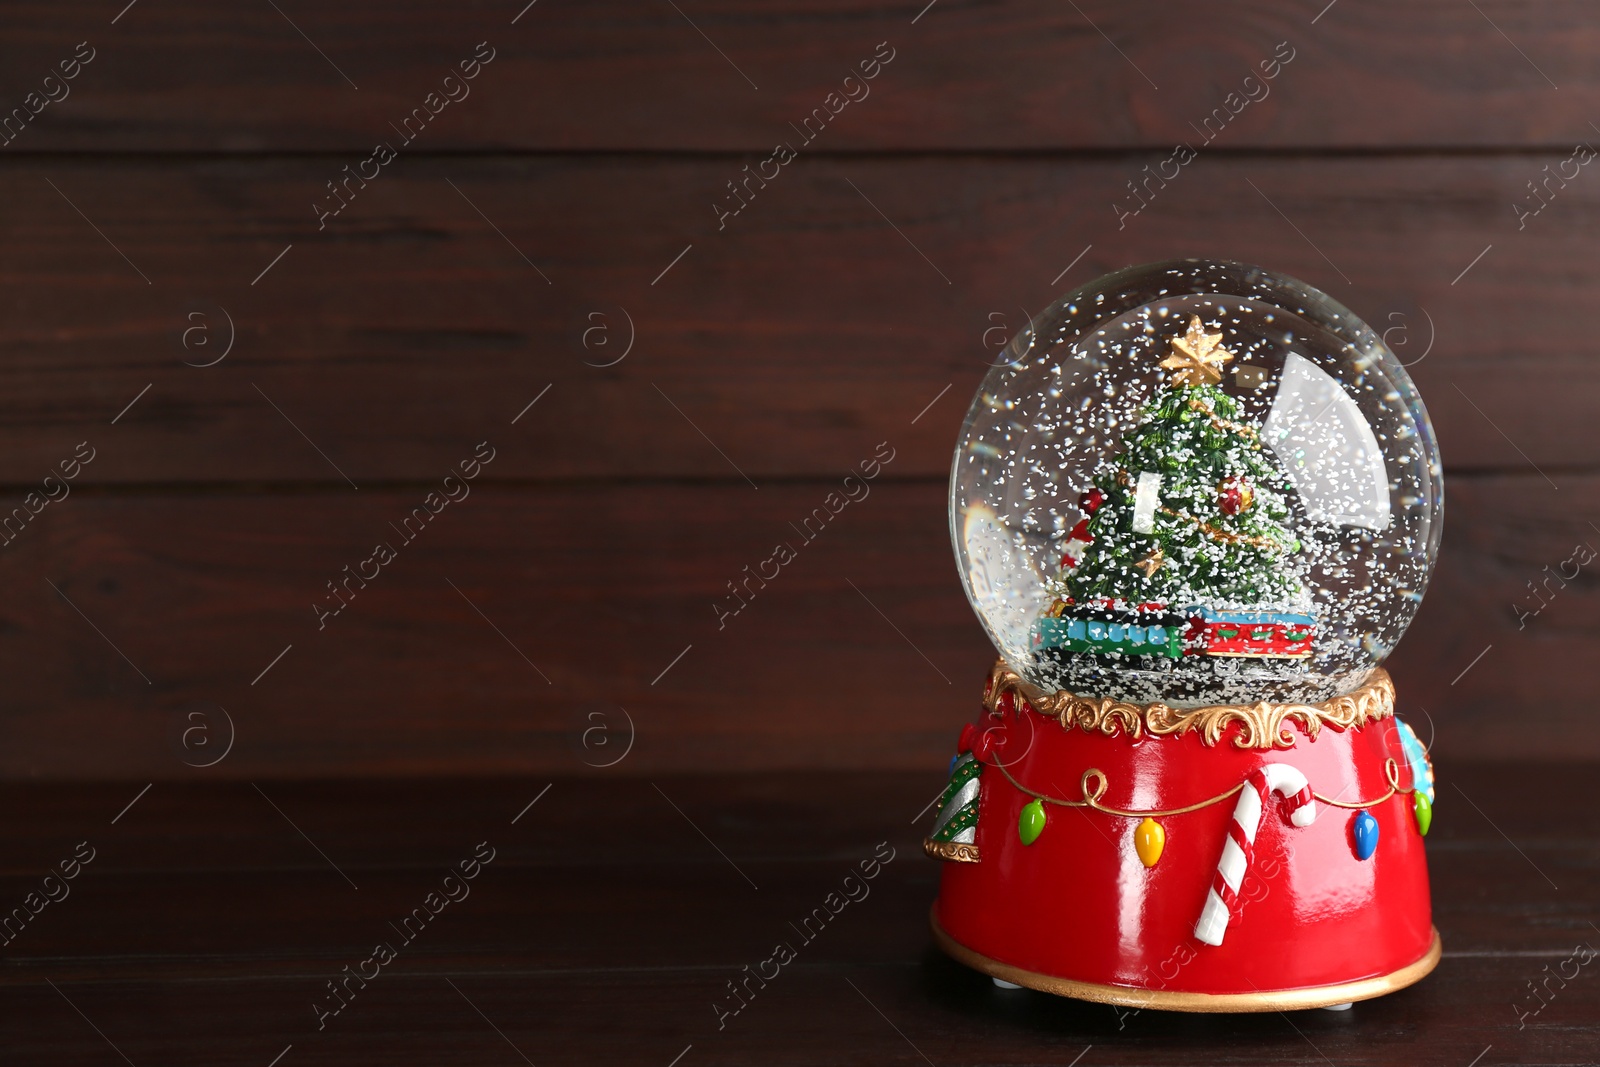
(629, 74)
(606, 926)
(863, 652)
(462, 296)
(788, 344)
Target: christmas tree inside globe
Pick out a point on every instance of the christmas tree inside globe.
(1197, 483)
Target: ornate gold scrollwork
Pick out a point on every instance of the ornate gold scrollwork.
(955, 851)
(1262, 725)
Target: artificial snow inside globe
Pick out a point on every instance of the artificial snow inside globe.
(1195, 509)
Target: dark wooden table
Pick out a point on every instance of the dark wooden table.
(614, 910)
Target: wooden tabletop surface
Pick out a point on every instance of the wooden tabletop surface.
(606, 916)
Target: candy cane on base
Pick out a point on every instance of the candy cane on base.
(1279, 778)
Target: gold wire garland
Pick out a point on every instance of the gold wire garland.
(1219, 423)
(1216, 533)
(1092, 794)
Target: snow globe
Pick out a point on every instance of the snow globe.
(1194, 508)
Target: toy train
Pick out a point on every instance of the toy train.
(1151, 629)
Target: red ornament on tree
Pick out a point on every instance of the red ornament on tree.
(1091, 500)
(1078, 540)
(1235, 495)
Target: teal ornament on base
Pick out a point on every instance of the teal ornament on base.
(1417, 759)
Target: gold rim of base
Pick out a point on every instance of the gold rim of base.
(1173, 1000)
(950, 851)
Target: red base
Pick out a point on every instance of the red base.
(1078, 904)
(1342, 995)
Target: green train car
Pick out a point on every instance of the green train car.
(1131, 633)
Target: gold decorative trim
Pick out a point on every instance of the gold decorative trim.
(1094, 783)
(1262, 725)
(952, 851)
(1174, 1000)
(1221, 424)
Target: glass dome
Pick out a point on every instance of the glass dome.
(1196, 482)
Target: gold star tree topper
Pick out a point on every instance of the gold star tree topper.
(1197, 357)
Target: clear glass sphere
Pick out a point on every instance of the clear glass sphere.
(1196, 482)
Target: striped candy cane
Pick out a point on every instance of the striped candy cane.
(1279, 778)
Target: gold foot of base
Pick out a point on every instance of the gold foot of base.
(1172, 1000)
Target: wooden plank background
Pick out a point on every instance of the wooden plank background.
(561, 216)
(189, 76)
